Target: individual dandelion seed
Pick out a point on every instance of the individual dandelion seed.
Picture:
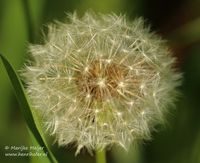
(101, 80)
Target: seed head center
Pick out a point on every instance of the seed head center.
(100, 80)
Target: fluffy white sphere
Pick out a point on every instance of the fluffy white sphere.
(101, 80)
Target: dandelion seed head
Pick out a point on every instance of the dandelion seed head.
(101, 80)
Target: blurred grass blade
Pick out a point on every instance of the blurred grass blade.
(29, 21)
(187, 34)
(24, 106)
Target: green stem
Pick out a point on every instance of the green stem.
(100, 156)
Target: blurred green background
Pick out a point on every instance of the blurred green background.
(177, 21)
